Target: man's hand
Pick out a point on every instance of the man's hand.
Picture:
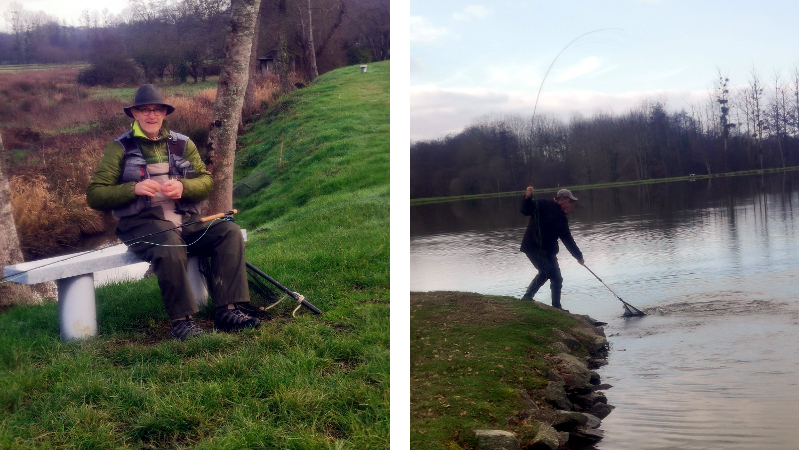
(146, 187)
(529, 192)
(172, 189)
(580, 261)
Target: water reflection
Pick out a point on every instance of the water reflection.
(714, 264)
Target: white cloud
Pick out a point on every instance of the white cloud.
(513, 76)
(471, 12)
(587, 65)
(423, 31)
(437, 112)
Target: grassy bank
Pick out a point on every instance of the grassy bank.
(584, 187)
(312, 382)
(469, 355)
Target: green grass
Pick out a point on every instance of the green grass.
(311, 382)
(469, 355)
(15, 68)
(127, 93)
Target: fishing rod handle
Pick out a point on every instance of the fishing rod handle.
(218, 216)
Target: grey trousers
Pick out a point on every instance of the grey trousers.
(167, 254)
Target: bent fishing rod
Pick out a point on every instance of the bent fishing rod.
(129, 242)
(533, 118)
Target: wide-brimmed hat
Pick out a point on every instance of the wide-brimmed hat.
(565, 193)
(147, 94)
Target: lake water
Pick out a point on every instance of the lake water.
(714, 264)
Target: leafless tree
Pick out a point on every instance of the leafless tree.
(312, 55)
(778, 113)
(255, 73)
(752, 101)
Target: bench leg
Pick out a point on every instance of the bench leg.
(76, 307)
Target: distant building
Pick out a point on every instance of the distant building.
(268, 64)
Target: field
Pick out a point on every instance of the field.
(308, 382)
(14, 68)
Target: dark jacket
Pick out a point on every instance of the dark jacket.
(548, 223)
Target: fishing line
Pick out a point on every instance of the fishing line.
(130, 242)
(300, 304)
(536, 104)
(178, 245)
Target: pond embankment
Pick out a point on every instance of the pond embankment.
(495, 372)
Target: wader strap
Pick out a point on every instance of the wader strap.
(177, 143)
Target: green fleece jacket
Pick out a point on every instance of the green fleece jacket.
(105, 192)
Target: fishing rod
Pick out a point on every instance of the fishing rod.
(536, 104)
(259, 287)
(224, 216)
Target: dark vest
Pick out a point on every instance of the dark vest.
(134, 168)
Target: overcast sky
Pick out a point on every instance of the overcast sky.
(473, 59)
(62, 10)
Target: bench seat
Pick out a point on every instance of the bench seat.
(74, 277)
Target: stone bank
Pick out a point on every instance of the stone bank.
(569, 411)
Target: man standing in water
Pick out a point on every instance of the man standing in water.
(548, 223)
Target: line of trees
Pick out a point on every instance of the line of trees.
(754, 126)
(184, 38)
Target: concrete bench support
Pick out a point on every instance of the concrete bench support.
(77, 312)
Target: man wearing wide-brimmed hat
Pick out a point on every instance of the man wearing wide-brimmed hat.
(152, 180)
(548, 223)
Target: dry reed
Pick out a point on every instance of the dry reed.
(49, 220)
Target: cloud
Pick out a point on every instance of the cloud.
(587, 65)
(423, 31)
(437, 112)
(471, 12)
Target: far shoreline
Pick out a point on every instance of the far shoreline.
(691, 177)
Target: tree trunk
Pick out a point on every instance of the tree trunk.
(10, 253)
(250, 105)
(312, 55)
(229, 101)
(283, 51)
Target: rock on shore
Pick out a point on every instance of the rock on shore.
(568, 412)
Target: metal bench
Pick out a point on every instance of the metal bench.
(74, 277)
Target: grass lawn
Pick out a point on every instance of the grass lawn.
(469, 355)
(321, 228)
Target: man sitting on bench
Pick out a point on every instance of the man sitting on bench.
(152, 179)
